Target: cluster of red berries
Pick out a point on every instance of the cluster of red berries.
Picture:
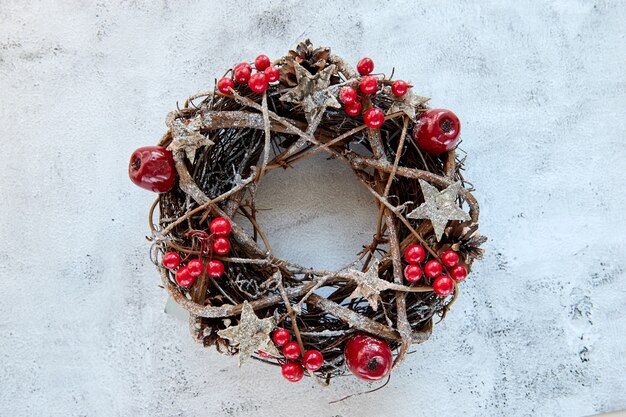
(294, 371)
(242, 74)
(186, 275)
(443, 285)
(368, 85)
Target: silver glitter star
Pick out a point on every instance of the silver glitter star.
(186, 137)
(312, 91)
(439, 207)
(251, 334)
(369, 285)
(407, 104)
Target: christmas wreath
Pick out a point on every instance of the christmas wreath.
(244, 300)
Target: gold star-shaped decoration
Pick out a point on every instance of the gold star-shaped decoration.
(251, 334)
(439, 207)
(312, 91)
(186, 137)
(369, 285)
(408, 103)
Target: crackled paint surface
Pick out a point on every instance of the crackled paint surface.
(539, 87)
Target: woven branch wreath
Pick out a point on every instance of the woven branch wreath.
(246, 301)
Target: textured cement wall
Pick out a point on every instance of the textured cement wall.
(540, 87)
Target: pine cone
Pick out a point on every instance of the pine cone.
(468, 242)
(313, 59)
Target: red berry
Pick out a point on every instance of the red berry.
(368, 85)
(272, 73)
(281, 336)
(399, 88)
(225, 85)
(195, 267)
(215, 268)
(220, 226)
(374, 118)
(437, 131)
(449, 258)
(412, 273)
(368, 358)
(432, 269)
(262, 62)
(184, 277)
(414, 254)
(365, 66)
(241, 72)
(292, 371)
(171, 260)
(353, 109)
(347, 95)
(221, 246)
(312, 360)
(443, 286)
(258, 82)
(291, 350)
(458, 273)
(152, 168)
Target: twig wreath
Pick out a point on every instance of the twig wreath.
(241, 297)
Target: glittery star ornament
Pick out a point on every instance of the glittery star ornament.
(186, 137)
(439, 207)
(312, 91)
(252, 334)
(407, 104)
(369, 285)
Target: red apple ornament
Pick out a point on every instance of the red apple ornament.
(437, 131)
(368, 358)
(152, 168)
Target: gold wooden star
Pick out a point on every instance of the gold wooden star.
(251, 334)
(408, 103)
(439, 207)
(369, 285)
(312, 91)
(186, 137)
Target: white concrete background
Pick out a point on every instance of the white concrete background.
(540, 88)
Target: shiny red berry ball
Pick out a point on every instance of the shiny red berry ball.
(221, 246)
(225, 85)
(272, 73)
(195, 267)
(414, 254)
(262, 62)
(399, 88)
(152, 168)
(241, 72)
(412, 273)
(365, 66)
(215, 268)
(258, 82)
(432, 269)
(353, 109)
(171, 260)
(458, 273)
(312, 360)
(184, 277)
(450, 258)
(374, 118)
(281, 337)
(291, 350)
(368, 358)
(347, 95)
(437, 131)
(443, 286)
(220, 226)
(292, 371)
(368, 85)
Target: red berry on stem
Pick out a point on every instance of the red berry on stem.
(374, 118)
(292, 371)
(432, 269)
(368, 85)
(347, 95)
(184, 277)
(443, 286)
(353, 109)
(225, 85)
(221, 246)
(195, 267)
(281, 336)
(214, 268)
(220, 226)
(414, 254)
(449, 258)
(258, 82)
(171, 260)
(458, 273)
(412, 273)
(437, 131)
(272, 73)
(399, 88)
(291, 350)
(241, 72)
(262, 62)
(312, 360)
(152, 168)
(368, 358)
(365, 66)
